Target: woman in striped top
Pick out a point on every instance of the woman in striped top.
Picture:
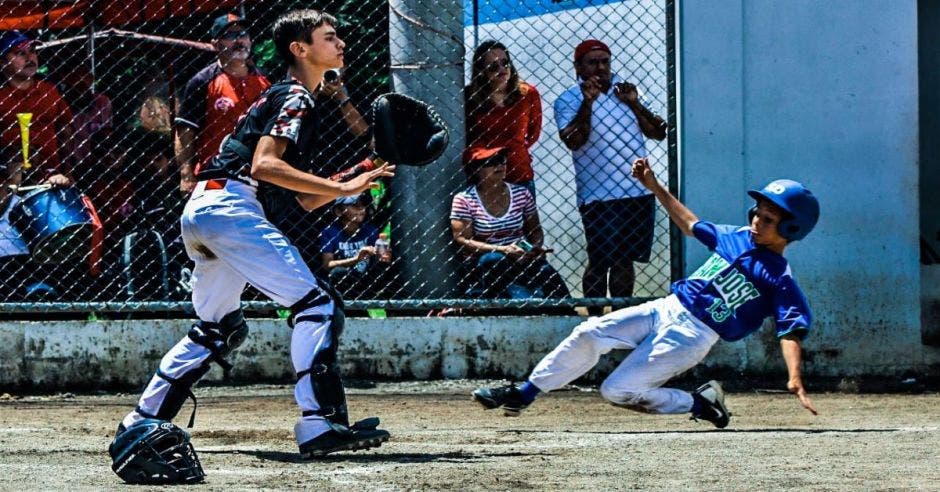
(496, 226)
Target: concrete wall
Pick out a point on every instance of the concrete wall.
(825, 94)
(70, 355)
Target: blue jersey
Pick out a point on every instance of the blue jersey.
(742, 284)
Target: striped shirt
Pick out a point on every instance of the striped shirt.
(487, 228)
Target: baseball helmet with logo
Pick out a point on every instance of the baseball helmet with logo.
(797, 201)
(155, 452)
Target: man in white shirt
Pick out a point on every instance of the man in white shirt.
(605, 124)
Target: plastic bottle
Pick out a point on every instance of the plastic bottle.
(383, 249)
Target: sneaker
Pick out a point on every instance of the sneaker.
(340, 438)
(507, 397)
(712, 400)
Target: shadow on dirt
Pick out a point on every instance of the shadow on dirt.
(767, 430)
(456, 457)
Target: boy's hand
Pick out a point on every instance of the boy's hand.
(365, 253)
(642, 172)
(795, 386)
(367, 179)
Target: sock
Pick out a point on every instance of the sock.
(696, 407)
(529, 391)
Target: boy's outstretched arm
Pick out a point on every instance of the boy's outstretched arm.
(679, 213)
(792, 353)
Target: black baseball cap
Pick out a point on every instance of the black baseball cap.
(221, 23)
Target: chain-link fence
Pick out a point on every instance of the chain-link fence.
(109, 115)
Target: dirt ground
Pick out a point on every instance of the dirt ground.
(569, 439)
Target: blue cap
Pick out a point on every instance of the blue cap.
(10, 40)
(361, 199)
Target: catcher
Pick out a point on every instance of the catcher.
(228, 233)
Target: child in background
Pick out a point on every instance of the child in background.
(348, 251)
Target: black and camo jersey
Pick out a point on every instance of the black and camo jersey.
(285, 110)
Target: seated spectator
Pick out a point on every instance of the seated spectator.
(112, 192)
(496, 226)
(154, 115)
(155, 181)
(22, 92)
(502, 110)
(92, 112)
(348, 252)
(20, 278)
(154, 250)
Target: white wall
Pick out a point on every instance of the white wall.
(825, 93)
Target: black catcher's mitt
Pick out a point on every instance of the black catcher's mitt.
(407, 131)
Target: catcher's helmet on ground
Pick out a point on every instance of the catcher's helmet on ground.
(155, 452)
(407, 131)
(797, 201)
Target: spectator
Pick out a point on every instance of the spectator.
(154, 115)
(112, 192)
(497, 227)
(349, 254)
(149, 167)
(604, 123)
(153, 251)
(343, 136)
(22, 92)
(21, 279)
(503, 111)
(92, 112)
(215, 97)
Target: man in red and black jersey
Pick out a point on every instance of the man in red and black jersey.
(215, 97)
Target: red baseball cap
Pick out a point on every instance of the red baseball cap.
(478, 154)
(589, 45)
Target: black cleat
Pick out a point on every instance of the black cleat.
(343, 439)
(712, 400)
(509, 397)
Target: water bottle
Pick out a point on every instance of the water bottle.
(383, 249)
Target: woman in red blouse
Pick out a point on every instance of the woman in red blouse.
(503, 111)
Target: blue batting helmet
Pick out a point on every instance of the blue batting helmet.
(797, 201)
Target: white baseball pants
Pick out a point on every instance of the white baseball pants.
(232, 243)
(666, 341)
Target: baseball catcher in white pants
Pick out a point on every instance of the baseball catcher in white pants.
(228, 233)
(746, 280)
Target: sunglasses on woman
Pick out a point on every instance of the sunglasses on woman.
(496, 65)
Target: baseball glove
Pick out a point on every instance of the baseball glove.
(407, 131)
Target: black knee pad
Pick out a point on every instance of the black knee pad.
(221, 338)
(316, 297)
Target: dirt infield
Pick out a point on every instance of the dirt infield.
(441, 440)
